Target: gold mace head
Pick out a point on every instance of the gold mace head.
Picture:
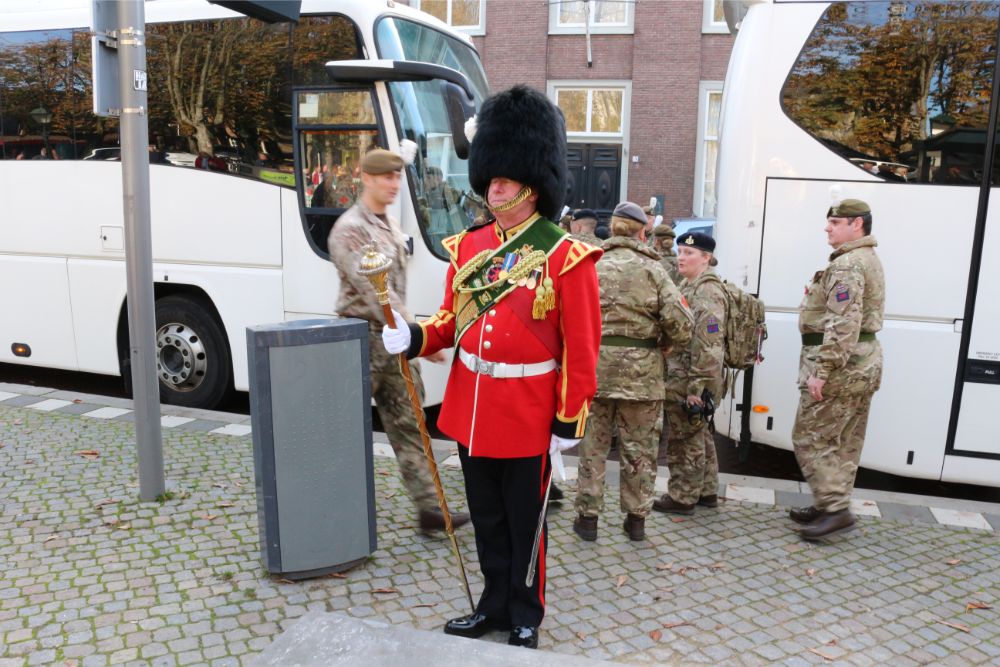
(375, 266)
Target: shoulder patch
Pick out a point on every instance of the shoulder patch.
(712, 324)
(579, 250)
(843, 294)
(451, 245)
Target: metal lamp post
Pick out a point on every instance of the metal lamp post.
(43, 117)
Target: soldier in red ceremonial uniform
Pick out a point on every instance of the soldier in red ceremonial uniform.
(521, 305)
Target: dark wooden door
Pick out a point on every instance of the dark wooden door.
(594, 175)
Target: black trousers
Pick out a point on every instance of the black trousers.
(505, 500)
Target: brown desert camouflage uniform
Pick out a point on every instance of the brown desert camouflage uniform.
(691, 459)
(356, 227)
(641, 313)
(842, 303)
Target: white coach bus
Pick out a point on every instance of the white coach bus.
(255, 140)
(890, 102)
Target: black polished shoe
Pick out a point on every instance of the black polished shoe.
(473, 626)
(523, 635)
(828, 524)
(556, 494)
(804, 515)
(434, 519)
(667, 504)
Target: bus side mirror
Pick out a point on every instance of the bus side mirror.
(460, 108)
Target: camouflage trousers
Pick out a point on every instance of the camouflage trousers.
(827, 437)
(691, 459)
(639, 425)
(396, 413)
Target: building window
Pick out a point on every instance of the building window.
(709, 112)
(468, 16)
(593, 109)
(713, 19)
(602, 17)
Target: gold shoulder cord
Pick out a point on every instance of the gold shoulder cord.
(522, 269)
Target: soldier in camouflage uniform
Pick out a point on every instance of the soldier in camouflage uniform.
(582, 227)
(840, 368)
(364, 222)
(691, 372)
(642, 313)
(663, 243)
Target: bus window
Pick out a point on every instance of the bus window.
(335, 129)
(900, 89)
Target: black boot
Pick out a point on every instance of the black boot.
(555, 494)
(709, 501)
(635, 527)
(585, 527)
(804, 515)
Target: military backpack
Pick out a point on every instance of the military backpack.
(745, 328)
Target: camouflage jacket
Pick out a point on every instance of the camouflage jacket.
(669, 262)
(589, 239)
(842, 301)
(638, 301)
(356, 227)
(699, 365)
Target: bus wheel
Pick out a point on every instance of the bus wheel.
(192, 358)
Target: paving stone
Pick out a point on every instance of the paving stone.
(176, 588)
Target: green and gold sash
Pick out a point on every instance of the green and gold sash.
(493, 273)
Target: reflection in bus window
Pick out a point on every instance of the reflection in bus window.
(445, 202)
(336, 129)
(901, 89)
(219, 103)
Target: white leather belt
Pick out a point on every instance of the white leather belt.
(498, 369)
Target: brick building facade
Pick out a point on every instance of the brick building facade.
(661, 61)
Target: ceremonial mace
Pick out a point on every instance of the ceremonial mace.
(375, 266)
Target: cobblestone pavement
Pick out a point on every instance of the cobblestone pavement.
(91, 576)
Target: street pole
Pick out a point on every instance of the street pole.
(134, 135)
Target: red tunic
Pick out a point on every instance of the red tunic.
(515, 417)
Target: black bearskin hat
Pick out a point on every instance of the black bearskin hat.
(521, 135)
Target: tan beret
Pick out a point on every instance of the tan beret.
(380, 161)
(664, 229)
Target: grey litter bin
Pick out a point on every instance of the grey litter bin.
(310, 408)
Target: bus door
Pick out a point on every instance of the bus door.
(333, 129)
(976, 434)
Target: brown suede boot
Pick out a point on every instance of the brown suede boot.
(828, 524)
(635, 527)
(667, 504)
(431, 520)
(585, 527)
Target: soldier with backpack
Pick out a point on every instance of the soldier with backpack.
(693, 381)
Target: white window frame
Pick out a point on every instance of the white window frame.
(708, 23)
(627, 28)
(622, 138)
(471, 30)
(705, 90)
(555, 86)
